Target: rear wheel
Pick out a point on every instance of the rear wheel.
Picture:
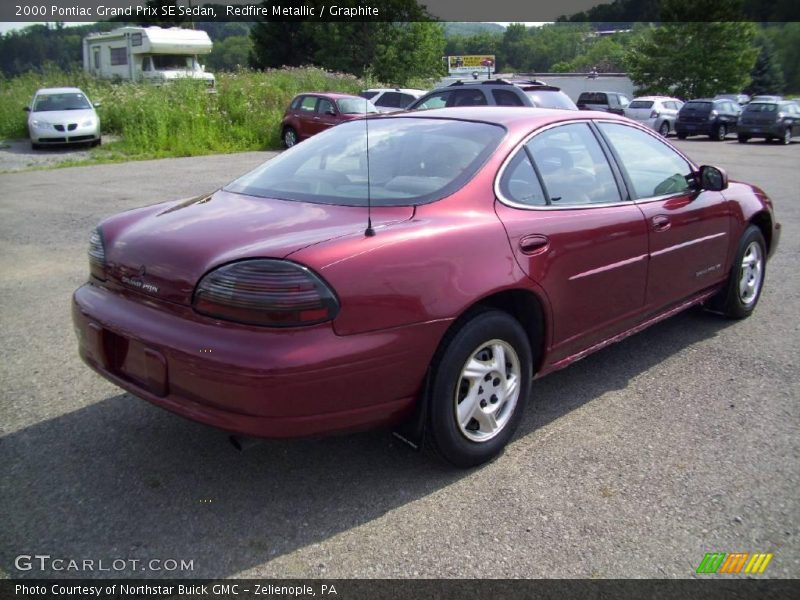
(481, 380)
(786, 138)
(738, 299)
(720, 132)
(664, 129)
(289, 137)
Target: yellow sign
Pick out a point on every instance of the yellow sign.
(470, 63)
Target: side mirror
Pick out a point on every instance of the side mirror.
(713, 179)
(27, 109)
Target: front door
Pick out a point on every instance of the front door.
(689, 230)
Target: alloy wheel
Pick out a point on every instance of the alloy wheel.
(751, 274)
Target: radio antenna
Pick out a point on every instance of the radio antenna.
(369, 231)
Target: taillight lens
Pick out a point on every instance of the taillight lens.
(713, 114)
(97, 255)
(269, 292)
(654, 114)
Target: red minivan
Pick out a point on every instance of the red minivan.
(312, 112)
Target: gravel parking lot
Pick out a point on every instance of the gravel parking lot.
(634, 462)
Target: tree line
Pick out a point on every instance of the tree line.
(687, 48)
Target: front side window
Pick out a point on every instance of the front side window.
(355, 106)
(325, 106)
(652, 167)
(573, 167)
(411, 161)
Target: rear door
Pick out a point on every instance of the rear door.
(571, 231)
(689, 231)
(304, 115)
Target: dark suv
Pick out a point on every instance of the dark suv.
(770, 120)
(706, 116)
(495, 92)
(612, 102)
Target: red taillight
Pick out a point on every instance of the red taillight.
(654, 114)
(263, 291)
(97, 255)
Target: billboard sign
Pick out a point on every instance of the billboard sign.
(467, 64)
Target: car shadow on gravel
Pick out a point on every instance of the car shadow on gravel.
(124, 479)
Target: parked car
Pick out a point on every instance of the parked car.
(427, 285)
(706, 116)
(391, 99)
(62, 116)
(495, 92)
(612, 102)
(770, 120)
(312, 112)
(740, 99)
(657, 112)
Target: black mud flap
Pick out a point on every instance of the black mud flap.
(412, 431)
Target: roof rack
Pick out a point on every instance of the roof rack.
(498, 81)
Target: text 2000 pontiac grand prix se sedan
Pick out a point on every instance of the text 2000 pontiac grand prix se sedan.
(504, 243)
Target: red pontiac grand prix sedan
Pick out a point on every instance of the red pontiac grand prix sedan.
(504, 243)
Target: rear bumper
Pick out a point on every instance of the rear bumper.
(765, 130)
(695, 128)
(253, 381)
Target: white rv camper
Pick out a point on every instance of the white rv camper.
(147, 54)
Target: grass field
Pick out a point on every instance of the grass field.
(182, 118)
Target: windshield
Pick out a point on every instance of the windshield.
(165, 62)
(551, 99)
(355, 106)
(67, 101)
(641, 104)
(761, 107)
(412, 161)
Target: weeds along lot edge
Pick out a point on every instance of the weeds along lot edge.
(182, 118)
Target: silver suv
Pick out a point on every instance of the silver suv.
(496, 92)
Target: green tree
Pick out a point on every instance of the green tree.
(690, 58)
(786, 39)
(766, 76)
(230, 53)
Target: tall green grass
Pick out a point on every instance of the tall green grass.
(180, 118)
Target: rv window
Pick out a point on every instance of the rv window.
(165, 62)
(136, 39)
(96, 58)
(119, 56)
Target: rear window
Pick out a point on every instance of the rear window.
(593, 98)
(641, 104)
(411, 161)
(550, 99)
(761, 107)
(697, 105)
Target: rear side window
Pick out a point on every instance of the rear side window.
(436, 100)
(411, 161)
(520, 184)
(308, 104)
(573, 167)
(652, 167)
(506, 98)
(468, 98)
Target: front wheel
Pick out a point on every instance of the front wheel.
(720, 133)
(289, 137)
(738, 299)
(481, 380)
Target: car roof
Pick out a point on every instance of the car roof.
(334, 95)
(510, 117)
(401, 90)
(654, 98)
(59, 90)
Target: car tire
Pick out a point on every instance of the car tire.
(742, 138)
(467, 369)
(786, 136)
(719, 133)
(289, 137)
(97, 142)
(682, 136)
(35, 146)
(739, 297)
(664, 129)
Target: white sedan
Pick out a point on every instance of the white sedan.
(62, 116)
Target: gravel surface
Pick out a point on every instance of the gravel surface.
(17, 155)
(631, 463)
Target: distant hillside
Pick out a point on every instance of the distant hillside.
(467, 29)
(621, 12)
